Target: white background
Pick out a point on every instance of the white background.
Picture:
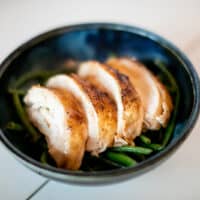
(176, 20)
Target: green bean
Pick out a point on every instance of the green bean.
(43, 158)
(133, 149)
(18, 91)
(109, 162)
(154, 147)
(24, 119)
(14, 126)
(37, 74)
(170, 128)
(170, 78)
(145, 139)
(112, 55)
(121, 159)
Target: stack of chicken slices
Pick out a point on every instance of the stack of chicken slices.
(101, 106)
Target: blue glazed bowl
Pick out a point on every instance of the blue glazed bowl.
(98, 41)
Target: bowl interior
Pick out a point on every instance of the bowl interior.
(52, 50)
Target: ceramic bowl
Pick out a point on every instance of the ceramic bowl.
(98, 41)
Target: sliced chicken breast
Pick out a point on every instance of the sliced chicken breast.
(59, 116)
(156, 100)
(100, 110)
(129, 107)
(167, 105)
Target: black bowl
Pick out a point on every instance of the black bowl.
(98, 41)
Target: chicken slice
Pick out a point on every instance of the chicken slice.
(156, 100)
(166, 105)
(59, 116)
(129, 107)
(100, 110)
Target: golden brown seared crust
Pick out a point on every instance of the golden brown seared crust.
(163, 112)
(76, 123)
(129, 107)
(105, 109)
(133, 110)
(162, 89)
(124, 65)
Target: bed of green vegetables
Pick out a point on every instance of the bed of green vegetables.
(146, 145)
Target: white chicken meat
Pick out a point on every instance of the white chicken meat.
(129, 107)
(155, 97)
(59, 116)
(99, 109)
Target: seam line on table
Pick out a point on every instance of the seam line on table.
(38, 189)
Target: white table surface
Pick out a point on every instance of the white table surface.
(178, 21)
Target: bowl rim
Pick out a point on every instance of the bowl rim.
(121, 27)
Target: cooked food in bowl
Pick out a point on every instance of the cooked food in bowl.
(110, 90)
(101, 116)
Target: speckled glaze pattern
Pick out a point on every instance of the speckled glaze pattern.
(99, 41)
